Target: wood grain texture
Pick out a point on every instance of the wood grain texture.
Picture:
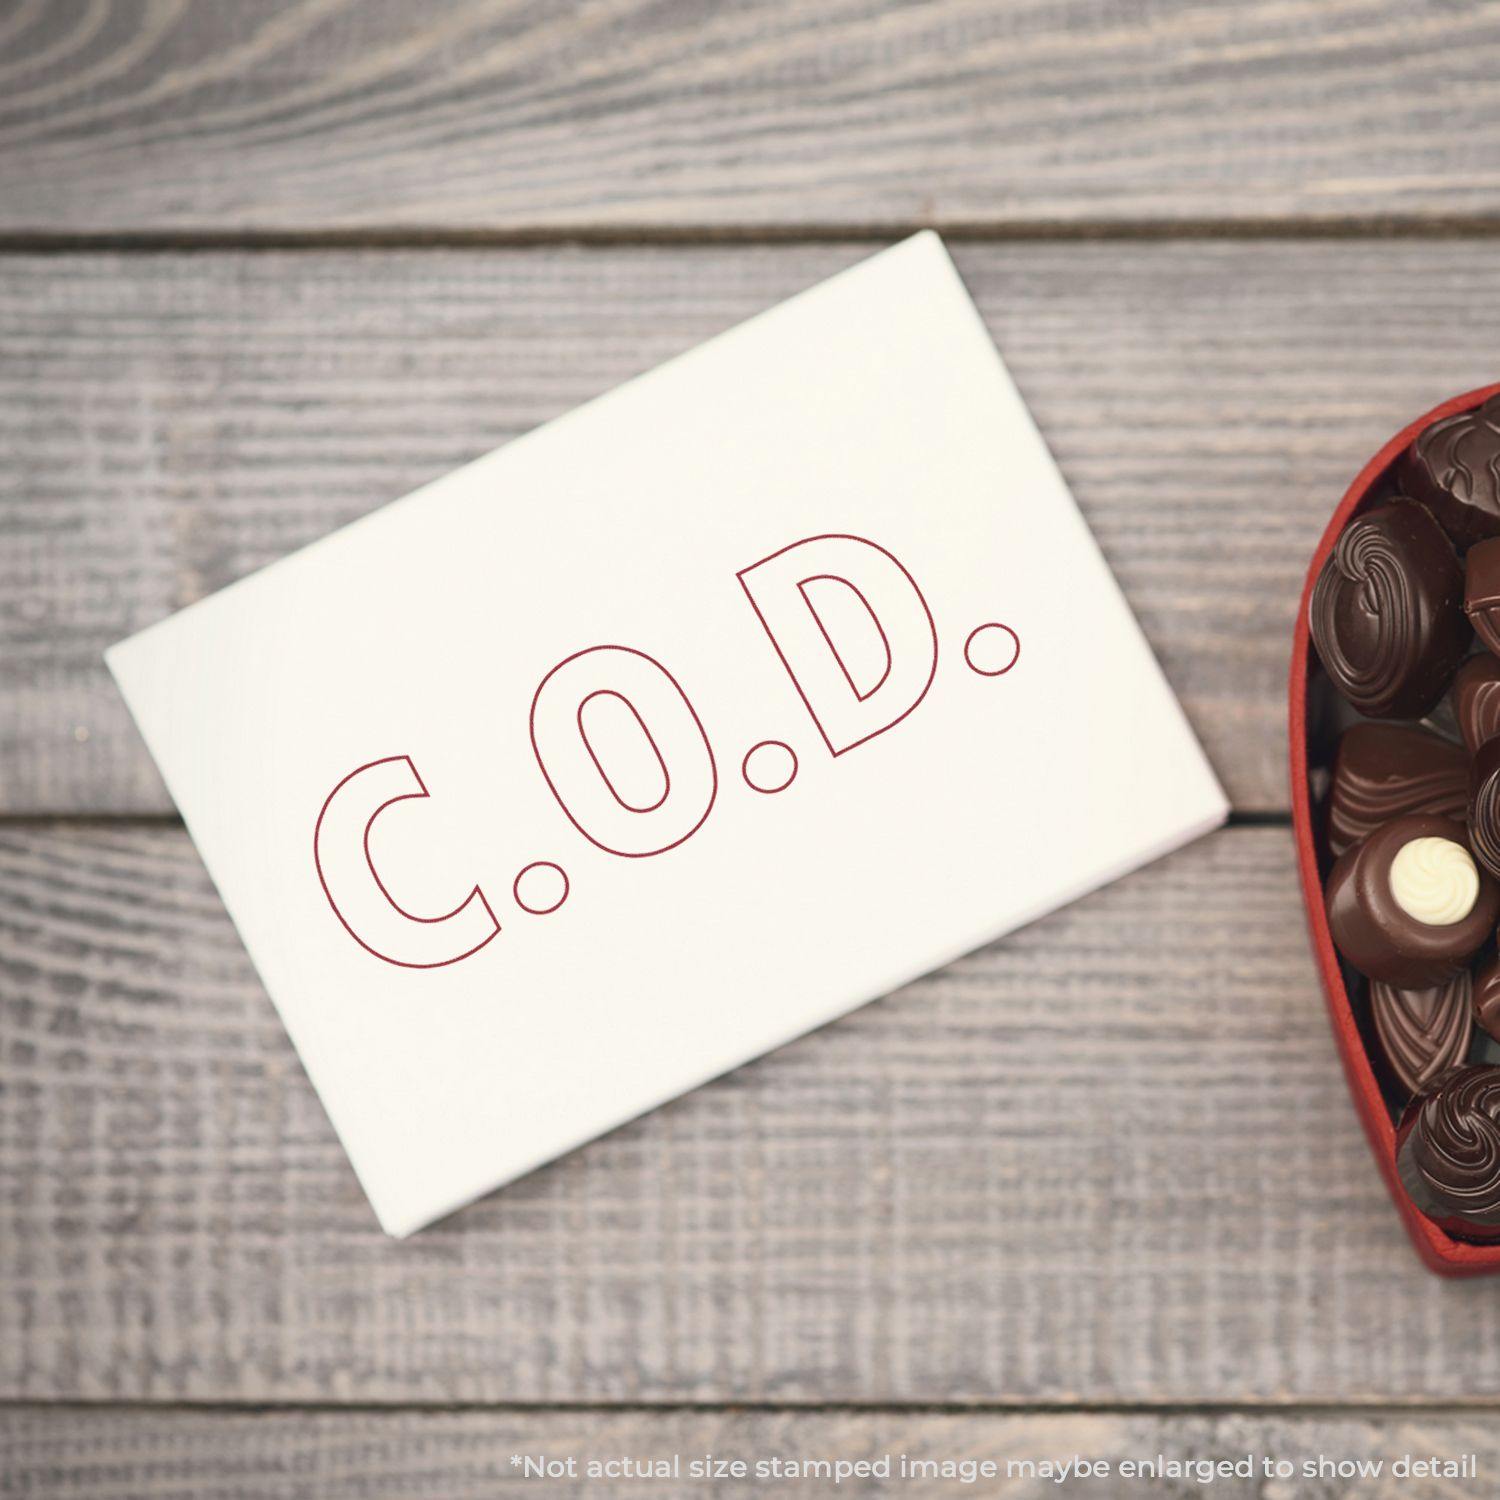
(170, 422)
(520, 116)
(1110, 1158)
(109, 1455)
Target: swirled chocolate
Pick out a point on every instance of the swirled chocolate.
(1408, 905)
(1487, 998)
(1387, 612)
(1482, 591)
(1453, 468)
(1384, 771)
(1425, 1032)
(1484, 806)
(1448, 1153)
(1476, 699)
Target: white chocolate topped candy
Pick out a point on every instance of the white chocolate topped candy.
(1434, 880)
(1408, 906)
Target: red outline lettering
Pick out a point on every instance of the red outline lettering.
(588, 744)
(844, 536)
(858, 593)
(987, 671)
(713, 769)
(539, 864)
(475, 894)
(754, 785)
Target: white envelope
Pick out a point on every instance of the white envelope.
(674, 729)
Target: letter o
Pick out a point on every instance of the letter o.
(574, 761)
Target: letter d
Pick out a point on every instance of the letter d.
(852, 630)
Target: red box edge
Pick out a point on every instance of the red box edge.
(1439, 1251)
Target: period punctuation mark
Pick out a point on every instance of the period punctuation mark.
(541, 887)
(992, 649)
(770, 766)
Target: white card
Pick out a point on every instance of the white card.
(832, 533)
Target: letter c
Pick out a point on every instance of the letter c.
(358, 896)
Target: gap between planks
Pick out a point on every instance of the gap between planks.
(678, 236)
(1331, 1409)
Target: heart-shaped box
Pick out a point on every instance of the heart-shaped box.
(1440, 1251)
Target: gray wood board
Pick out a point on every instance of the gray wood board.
(92, 1454)
(1108, 1159)
(522, 117)
(170, 422)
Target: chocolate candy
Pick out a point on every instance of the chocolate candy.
(1484, 806)
(1487, 999)
(1386, 612)
(1453, 468)
(1482, 591)
(1383, 771)
(1425, 1032)
(1448, 1153)
(1408, 905)
(1476, 700)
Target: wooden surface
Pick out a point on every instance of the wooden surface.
(175, 421)
(665, 116)
(90, 1455)
(1096, 1188)
(1110, 1159)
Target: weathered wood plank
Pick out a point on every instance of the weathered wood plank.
(1108, 1159)
(517, 115)
(113, 1455)
(171, 422)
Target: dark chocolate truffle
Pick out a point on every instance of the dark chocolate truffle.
(1448, 1153)
(1476, 699)
(1387, 612)
(1482, 591)
(1425, 1032)
(1453, 468)
(1408, 905)
(1484, 806)
(1487, 998)
(1383, 771)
